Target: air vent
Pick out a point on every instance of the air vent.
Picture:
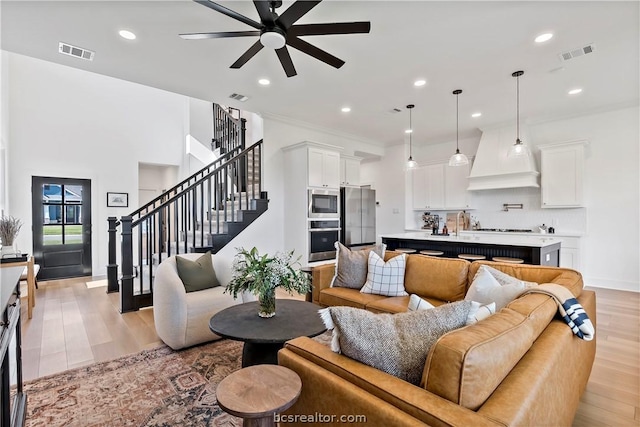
(580, 51)
(238, 97)
(395, 110)
(78, 52)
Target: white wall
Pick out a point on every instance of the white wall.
(4, 131)
(70, 123)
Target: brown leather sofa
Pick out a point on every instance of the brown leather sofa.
(521, 366)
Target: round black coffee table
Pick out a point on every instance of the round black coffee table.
(263, 337)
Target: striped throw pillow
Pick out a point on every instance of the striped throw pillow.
(385, 278)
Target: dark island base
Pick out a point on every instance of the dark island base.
(548, 255)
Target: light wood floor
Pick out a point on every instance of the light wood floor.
(74, 326)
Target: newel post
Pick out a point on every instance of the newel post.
(126, 290)
(112, 266)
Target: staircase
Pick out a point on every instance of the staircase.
(202, 213)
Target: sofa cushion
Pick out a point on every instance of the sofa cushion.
(443, 279)
(351, 266)
(385, 278)
(486, 289)
(465, 366)
(198, 274)
(394, 343)
(348, 297)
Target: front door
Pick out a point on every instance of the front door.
(61, 227)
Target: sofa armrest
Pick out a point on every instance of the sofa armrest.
(321, 276)
(408, 398)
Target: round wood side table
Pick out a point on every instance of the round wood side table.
(258, 392)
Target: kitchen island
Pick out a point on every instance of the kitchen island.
(535, 249)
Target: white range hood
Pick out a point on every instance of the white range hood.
(492, 169)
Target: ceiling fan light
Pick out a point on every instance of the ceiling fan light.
(272, 40)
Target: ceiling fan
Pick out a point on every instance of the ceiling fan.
(278, 31)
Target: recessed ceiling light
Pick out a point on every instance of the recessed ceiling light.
(475, 115)
(345, 109)
(419, 83)
(126, 34)
(408, 131)
(575, 91)
(264, 82)
(544, 37)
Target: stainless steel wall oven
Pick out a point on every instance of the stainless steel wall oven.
(323, 234)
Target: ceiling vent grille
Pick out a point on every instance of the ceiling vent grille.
(238, 97)
(75, 51)
(580, 51)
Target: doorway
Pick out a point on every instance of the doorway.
(61, 211)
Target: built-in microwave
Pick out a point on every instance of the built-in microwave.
(324, 204)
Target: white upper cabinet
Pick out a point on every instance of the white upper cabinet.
(349, 172)
(562, 170)
(440, 187)
(456, 181)
(324, 168)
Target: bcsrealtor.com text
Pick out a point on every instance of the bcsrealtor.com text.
(319, 418)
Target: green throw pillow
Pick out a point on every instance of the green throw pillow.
(197, 275)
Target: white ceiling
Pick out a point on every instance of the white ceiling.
(473, 46)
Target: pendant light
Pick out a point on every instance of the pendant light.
(519, 148)
(410, 162)
(458, 159)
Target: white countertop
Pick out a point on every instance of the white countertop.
(534, 240)
(504, 233)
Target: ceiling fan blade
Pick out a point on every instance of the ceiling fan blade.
(326, 29)
(250, 53)
(262, 6)
(230, 13)
(295, 12)
(316, 52)
(285, 60)
(220, 35)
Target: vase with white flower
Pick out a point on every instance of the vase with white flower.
(9, 228)
(262, 274)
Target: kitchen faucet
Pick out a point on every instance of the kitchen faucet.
(458, 222)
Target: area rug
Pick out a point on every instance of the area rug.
(97, 283)
(158, 387)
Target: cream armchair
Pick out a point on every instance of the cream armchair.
(181, 318)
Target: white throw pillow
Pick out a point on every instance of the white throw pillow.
(505, 279)
(479, 312)
(385, 278)
(416, 303)
(485, 289)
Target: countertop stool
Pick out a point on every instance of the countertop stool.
(508, 260)
(406, 250)
(258, 392)
(431, 253)
(471, 257)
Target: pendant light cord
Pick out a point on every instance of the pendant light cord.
(518, 108)
(457, 121)
(410, 134)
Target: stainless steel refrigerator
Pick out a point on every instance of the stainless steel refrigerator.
(357, 216)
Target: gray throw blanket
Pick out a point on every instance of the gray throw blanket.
(569, 308)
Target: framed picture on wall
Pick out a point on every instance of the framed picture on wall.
(118, 200)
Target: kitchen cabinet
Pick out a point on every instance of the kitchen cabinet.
(570, 252)
(440, 187)
(456, 181)
(562, 170)
(349, 172)
(324, 168)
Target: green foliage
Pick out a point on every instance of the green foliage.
(9, 227)
(260, 274)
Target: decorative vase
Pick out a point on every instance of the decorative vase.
(267, 302)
